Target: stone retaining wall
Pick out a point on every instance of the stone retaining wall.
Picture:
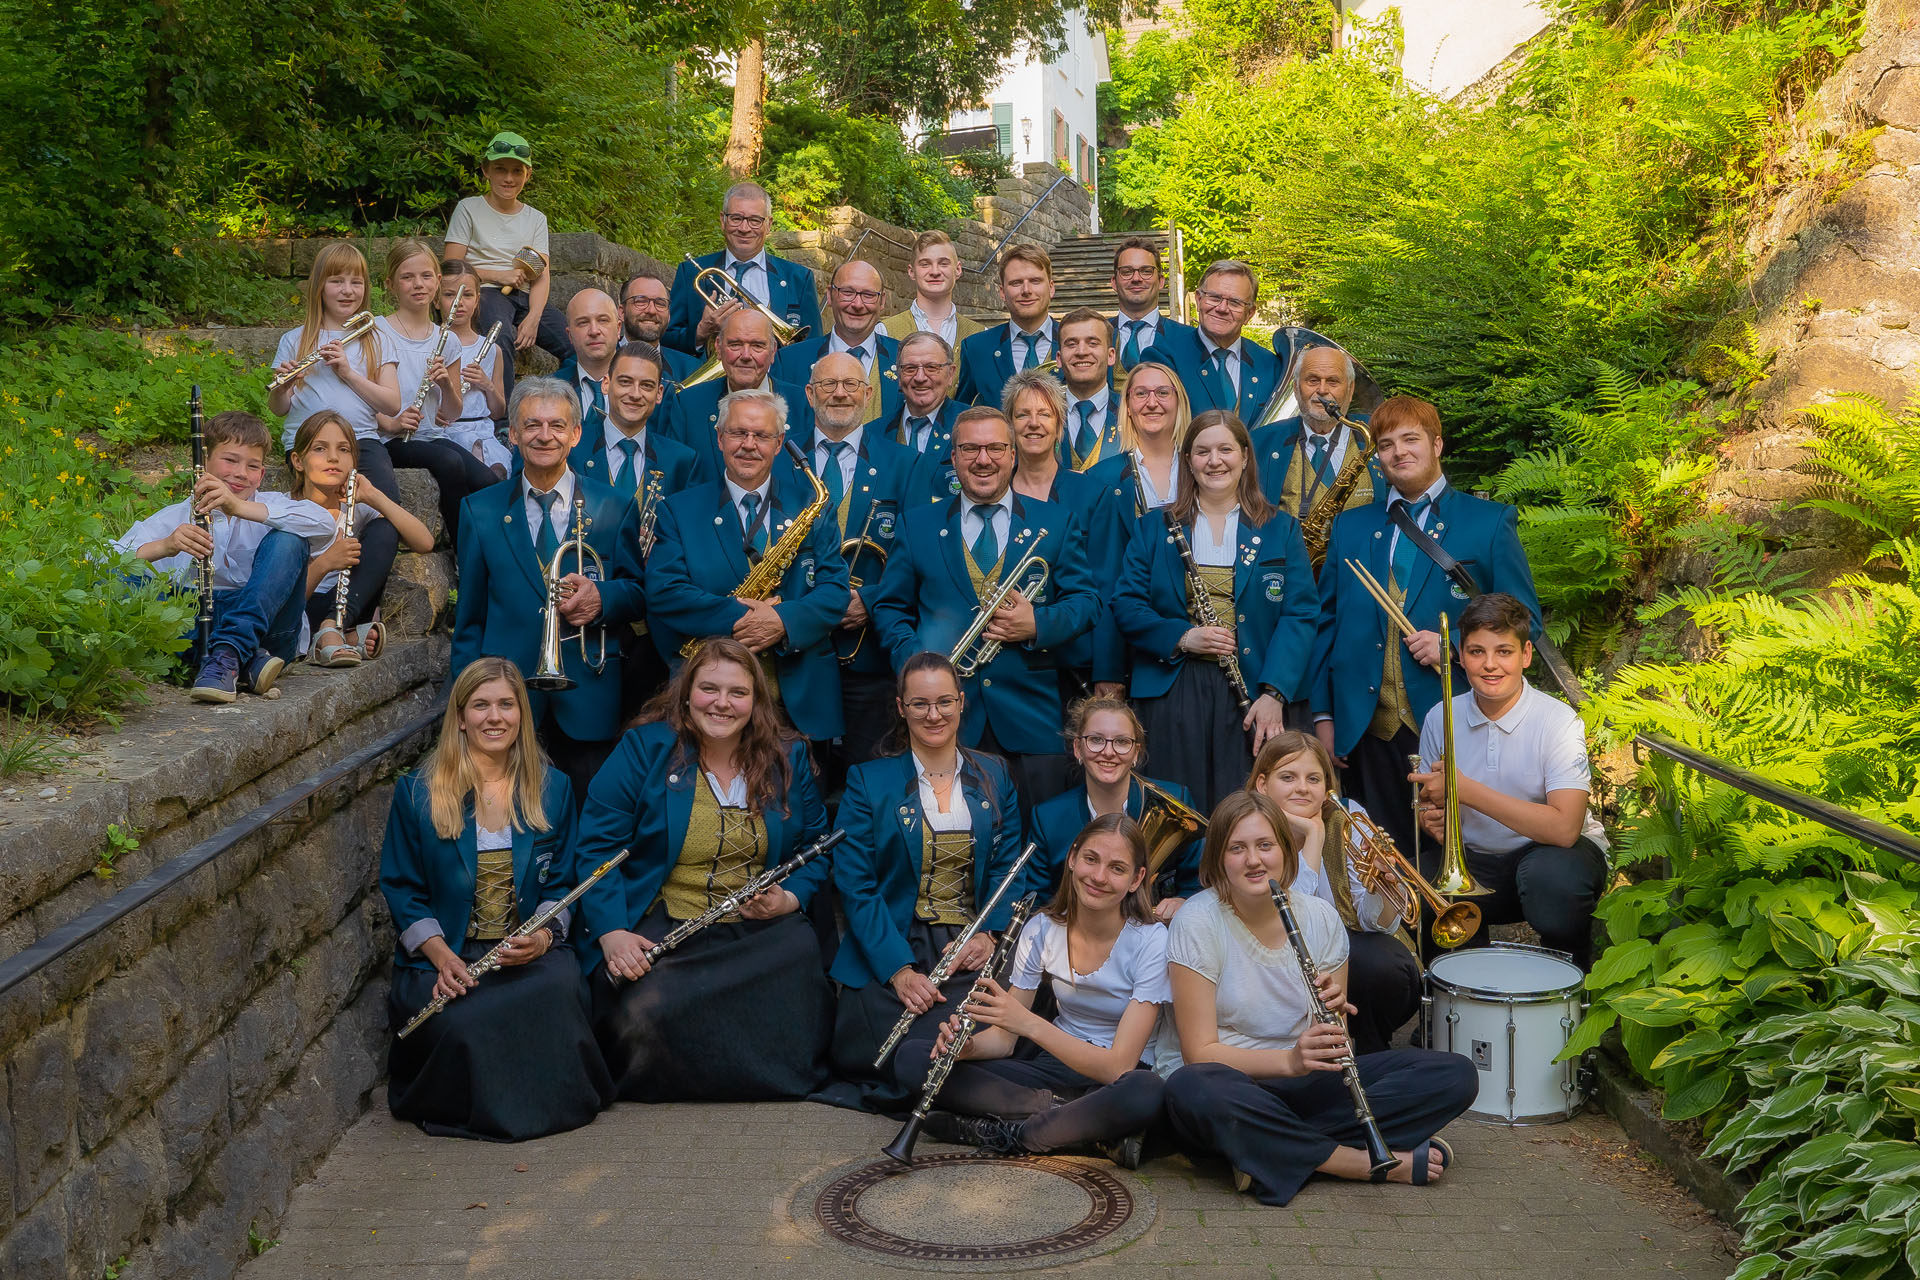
(169, 1082)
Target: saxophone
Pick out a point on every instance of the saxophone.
(1317, 525)
(763, 579)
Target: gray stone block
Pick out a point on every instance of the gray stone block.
(257, 1047)
(419, 595)
(194, 1117)
(42, 1100)
(127, 1046)
(116, 1198)
(36, 1248)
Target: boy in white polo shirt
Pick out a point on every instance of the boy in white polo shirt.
(1524, 781)
(488, 231)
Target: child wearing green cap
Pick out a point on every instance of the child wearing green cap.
(488, 231)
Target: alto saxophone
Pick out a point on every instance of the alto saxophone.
(763, 579)
(1317, 525)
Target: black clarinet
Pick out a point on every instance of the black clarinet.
(1378, 1155)
(203, 622)
(1203, 605)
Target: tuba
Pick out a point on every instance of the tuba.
(974, 650)
(550, 675)
(763, 579)
(1166, 824)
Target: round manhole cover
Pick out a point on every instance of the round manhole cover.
(968, 1211)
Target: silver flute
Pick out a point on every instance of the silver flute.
(439, 352)
(346, 571)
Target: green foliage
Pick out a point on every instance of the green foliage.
(112, 387)
(1869, 464)
(28, 747)
(119, 840)
(817, 156)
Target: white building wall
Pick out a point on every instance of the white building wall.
(1450, 44)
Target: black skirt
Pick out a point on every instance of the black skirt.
(512, 1059)
(739, 1012)
(1194, 735)
(865, 1017)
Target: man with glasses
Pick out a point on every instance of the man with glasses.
(1139, 325)
(855, 298)
(935, 274)
(711, 536)
(923, 423)
(508, 533)
(786, 289)
(866, 477)
(951, 557)
(747, 349)
(643, 318)
(1299, 456)
(1220, 367)
(1028, 339)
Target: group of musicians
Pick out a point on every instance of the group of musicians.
(938, 589)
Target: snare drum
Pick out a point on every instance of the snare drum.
(1510, 1009)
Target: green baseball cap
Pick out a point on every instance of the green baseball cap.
(510, 146)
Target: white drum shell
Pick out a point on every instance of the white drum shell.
(1509, 1009)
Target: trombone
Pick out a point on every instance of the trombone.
(1387, 874)
(358, 325)
(550, 675)
(851, 550)
(1455, 880)
(974, 650)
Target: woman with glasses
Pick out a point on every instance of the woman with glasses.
(1153, 424)
(1108, 741)
(1247, 603)
(931, 831)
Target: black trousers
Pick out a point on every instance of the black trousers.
(1279, 1131)
(642, 674)
(866, 700)
(1035, 777)
(1376, 776)
(1384, 983)
(511, 309)
(1056, 1105)
(365, 583)
(577, 759)
(455, 471)
(1551, 888)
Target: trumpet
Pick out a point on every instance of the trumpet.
(1455, 880)
(1386, 873)
(346, 571)
(727, 290)
(439, 352)
(550, 675)
(358, 325)
(974, 650)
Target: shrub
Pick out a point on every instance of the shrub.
(79, 380)
(817, 156)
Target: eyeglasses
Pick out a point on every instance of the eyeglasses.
(990, 450)
(741, 434)
(745, 220)
(1097, 743)
(852, 295)
(1225, 301)
(647, 303)
(1136, 273)
(920, 708)
(839, 384)
(1149, 393)
(922, 370)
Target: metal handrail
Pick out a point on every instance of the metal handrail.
(1828, 814)
(993, 257)
(102, 916)
(877, 235)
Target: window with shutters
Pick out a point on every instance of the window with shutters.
(1003, 125)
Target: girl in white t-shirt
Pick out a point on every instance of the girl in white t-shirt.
(356, 379)
(1098, 945)
(324, 454)
(483, 399)
(1253, 1078)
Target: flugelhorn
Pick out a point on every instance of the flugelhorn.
(1455, 881)
(1386, 873)
(551, 675)
(974, 650)
(730, 290)
(358, 325)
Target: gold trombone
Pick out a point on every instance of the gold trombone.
(1455, 880)
(1387, 874)
(551, 675)
(974, 650)
(358, 325)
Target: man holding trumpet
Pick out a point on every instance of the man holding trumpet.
(786, 289)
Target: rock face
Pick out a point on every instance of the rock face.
(1836, 286)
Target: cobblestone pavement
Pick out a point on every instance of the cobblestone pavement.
(672, 1191)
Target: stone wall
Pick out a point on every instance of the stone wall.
(169, 1082)
(1835, 284)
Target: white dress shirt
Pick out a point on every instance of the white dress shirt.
(1538, 747)
(610, 441)
(956, 818)
(837, 345)
(948, 328)
(1149, 332)
(1017, 344)
(580, 380)
(562, 509)
(755, 279)
(1209, 552)
(849, 456)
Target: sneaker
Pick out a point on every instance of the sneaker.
(262, 672)
(1126, 1152)
(219, 676)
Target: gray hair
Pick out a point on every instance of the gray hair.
(748, 189)
(752, 395)
(1035, 380)
(1233, 267)
(927, 335)
(1353, 372)
(526, 389)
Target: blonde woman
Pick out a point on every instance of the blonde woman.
(1154, 416)
(479, 837)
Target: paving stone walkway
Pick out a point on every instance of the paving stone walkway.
(694, 1191)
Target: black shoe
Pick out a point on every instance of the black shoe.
(1126, 1152)
(944, 1126)
(989, 1133)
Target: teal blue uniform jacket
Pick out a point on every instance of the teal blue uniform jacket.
(791, 296)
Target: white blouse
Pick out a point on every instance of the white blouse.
(1091, 1004)
(959, 818)
(322, 388)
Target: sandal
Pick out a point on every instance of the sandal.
(339, 654)
(373, 640)
(1423, 1156)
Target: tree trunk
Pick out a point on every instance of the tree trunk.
(749, 109)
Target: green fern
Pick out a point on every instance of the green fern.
(1868, 463)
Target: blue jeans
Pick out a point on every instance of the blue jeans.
(265, 612)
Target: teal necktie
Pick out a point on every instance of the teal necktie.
(625, 479)
(1085, 438)
(1130, 355)
(1317, 455)
(864, 356)
(1223, 385)
(986, 547)
(597, 411)
(919, 433)
(548, 541)
(830, 475)
(750, 516)
(1403, 550)
(740, 270)
(1032, 357)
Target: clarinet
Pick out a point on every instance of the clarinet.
(943, 969)
(733, 901)
(901, 1148)
(203, 623)
(489, 962)
(1203, 605)
(1378, 1155)
(346, 571)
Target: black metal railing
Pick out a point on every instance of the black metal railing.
(102, 916)
(994, 257)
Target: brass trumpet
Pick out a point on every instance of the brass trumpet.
(1386, 873)
(358, 325)
(974, 650)
(551, 675)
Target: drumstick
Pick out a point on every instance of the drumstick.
(1381, 598)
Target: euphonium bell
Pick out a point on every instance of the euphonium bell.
(550, 674)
